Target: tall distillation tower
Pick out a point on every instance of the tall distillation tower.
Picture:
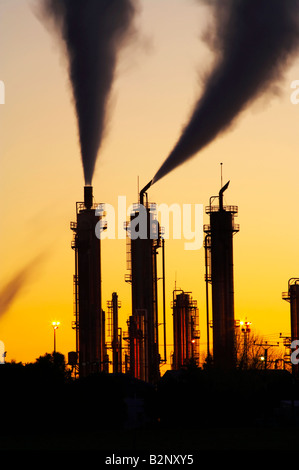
(143, 323)
(186, 334)
(220, 273)
(89, 317)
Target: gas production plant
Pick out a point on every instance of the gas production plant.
(251, 62)
(101, 345)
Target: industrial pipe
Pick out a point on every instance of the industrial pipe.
(224, 188)
(207, 297)
(143, 191)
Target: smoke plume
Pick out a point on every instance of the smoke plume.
(92, 31)
(10, 291)
(254, 42)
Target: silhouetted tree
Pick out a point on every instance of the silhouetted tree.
(250, 352)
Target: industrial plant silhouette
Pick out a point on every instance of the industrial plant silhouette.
(112, 381)
(142, 358)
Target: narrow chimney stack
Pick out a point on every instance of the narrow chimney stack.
(88, 197)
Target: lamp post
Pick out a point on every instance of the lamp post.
(245, 328)
(55, 325)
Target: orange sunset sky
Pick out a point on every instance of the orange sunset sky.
(156, 86)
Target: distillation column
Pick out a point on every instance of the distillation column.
(219, 241)
(89, 317)
(145, 239)
(185, 330)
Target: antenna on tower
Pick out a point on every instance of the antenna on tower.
(221, 181)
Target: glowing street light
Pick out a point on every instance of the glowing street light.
(245, 327)
(55, 325)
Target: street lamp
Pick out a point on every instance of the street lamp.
(55, 325)
(245, 327)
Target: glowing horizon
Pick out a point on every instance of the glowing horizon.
(42, 177)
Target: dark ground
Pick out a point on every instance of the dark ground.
(173, 440)
(188, 411)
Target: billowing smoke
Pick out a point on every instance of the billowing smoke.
(13, 288)
(93, 32)
(254, 42)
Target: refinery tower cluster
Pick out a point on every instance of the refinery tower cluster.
(257, 41)
(140, 351)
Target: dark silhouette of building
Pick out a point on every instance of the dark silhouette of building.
(220, 272)
(144, 236)
(185, 330)
(89, 317)
(115, 333)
